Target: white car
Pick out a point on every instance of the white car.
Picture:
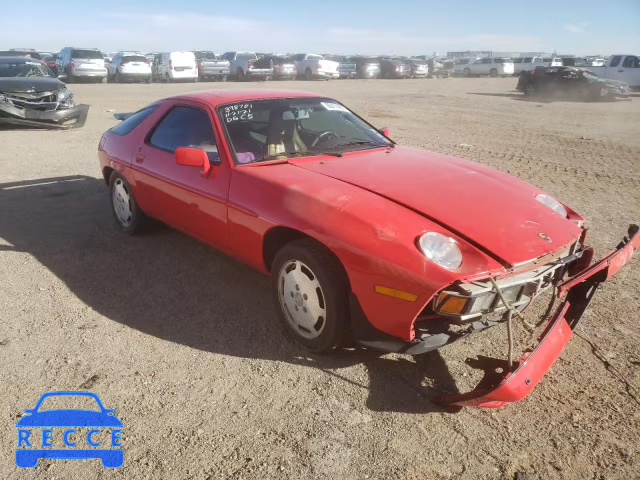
(526, 64)
(127, 66)
(552, 62)
(311, 65)
(172, 66)
(246, 66)
(462, 63)
(492, 66)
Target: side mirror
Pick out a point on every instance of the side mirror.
(193, 157)
(385, 131)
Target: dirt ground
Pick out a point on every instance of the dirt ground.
(182, 341)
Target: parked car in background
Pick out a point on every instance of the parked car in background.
(393, 68)
(622, 67)
(595, 62)
(440, 67)
(346, 68)
(311, 65)
(570, 82)
(150, 56)
(243, 66)
(210, 66)
(574, 62)
(417, 68)
(282, 67)
(14, 52)
(174, 66)
(551, 62)
(125, 66)
(82, 63)
(366, 67)
(31, 95)
(50, 60)
(366, 241)
(492, 66)
(462, 63)
(526, 63)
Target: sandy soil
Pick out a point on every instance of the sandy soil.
(182, 342)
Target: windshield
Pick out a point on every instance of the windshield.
(275, 129)
(24, 69)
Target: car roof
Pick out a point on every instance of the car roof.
(17, 59)
(220, 97)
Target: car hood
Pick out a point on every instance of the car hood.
(492, 210)
(29, 85)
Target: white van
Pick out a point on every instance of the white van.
(492, 66)
(526, 64)
(171, 66)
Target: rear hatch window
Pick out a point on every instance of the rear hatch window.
(246, 56)
(87, 54)
(135, 58)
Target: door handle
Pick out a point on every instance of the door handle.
(139, 158)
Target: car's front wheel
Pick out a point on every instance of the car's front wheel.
(129, 217)
(311, 292)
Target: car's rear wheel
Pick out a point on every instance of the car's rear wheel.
(493, 72)
(467, 72)
(129, 217)
(311, 292)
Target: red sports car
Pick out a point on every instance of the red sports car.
(400, 249)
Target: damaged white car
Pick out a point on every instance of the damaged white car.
(31, 95)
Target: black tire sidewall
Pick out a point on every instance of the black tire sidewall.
(334, 286)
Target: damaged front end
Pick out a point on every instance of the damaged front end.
(50, 108)
(576, 292)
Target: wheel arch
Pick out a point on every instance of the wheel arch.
(279, 236)
(106, 174)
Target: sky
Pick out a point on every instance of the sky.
(328, 26)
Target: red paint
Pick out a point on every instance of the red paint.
(368, 207)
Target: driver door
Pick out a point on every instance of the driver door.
(179, 195)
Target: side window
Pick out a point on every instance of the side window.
(133, 121)
(486, 60)
(185, 127)
(519, 60)
(631, 62)
(615, 61)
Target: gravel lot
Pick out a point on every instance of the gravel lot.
(182, 341)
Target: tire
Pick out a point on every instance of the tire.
(325, 295)
(240, 76)
(493, 72)
(70, 78)
(529, 90)
(121, 205)
(308, 75)
(467, 72)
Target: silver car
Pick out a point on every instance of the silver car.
(79, 63)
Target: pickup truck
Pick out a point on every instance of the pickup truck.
(624, 68)
(310, 66)
(243, 66)
(210, 66)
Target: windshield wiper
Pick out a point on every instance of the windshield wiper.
(348, 144)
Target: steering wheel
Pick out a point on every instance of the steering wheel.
(324, 136)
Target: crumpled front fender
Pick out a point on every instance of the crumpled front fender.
(577, 291)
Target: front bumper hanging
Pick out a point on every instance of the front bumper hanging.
(577, 292)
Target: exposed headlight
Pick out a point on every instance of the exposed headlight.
(65, 97)
(552, 203)
(441, 250)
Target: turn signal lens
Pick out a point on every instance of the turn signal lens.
(451, 304)
(399, 294)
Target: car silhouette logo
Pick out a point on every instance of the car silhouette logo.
(67, 423)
